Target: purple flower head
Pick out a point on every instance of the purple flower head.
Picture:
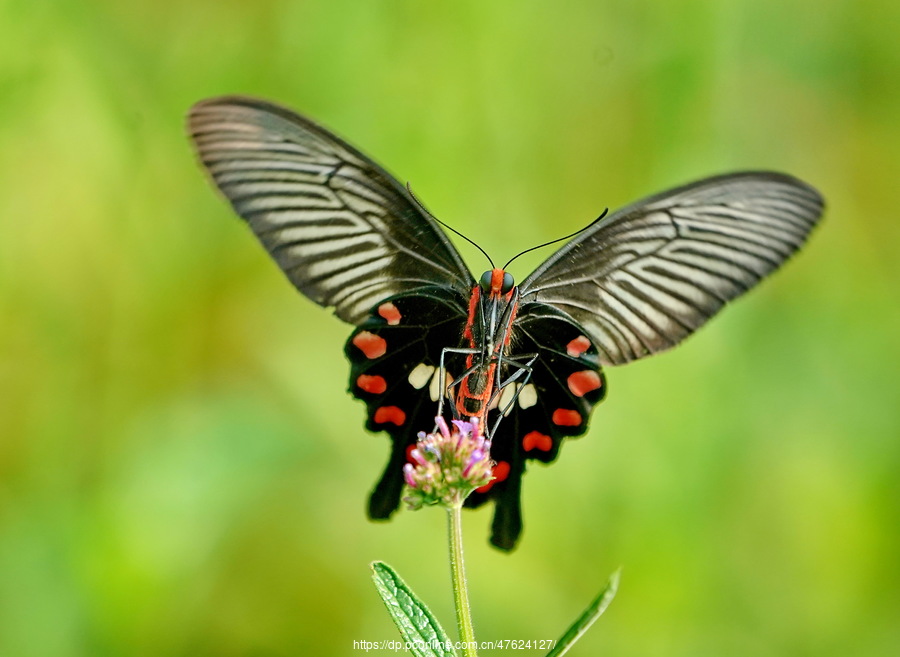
(448, 464)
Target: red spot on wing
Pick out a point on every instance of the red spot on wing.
(578, 346)
(581, 383)
(537, 440)
(373, 384)
(389, 414)
(389, 312)
(409, 449)
(373, 346)
(566, 418)
(500, 472)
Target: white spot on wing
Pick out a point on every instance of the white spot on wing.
(528, 396)
(434, 390)
(420, 375)
(507, 395)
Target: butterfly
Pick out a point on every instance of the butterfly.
(526, 359)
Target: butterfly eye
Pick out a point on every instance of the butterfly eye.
(508, 282)
(485, 281)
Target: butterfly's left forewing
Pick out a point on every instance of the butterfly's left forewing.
(344, 231)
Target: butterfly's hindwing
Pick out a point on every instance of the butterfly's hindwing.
(554, 402)
(395, 369)
(566, 378)
(506, 488)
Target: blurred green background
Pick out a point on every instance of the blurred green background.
(181, 469)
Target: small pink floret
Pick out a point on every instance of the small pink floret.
(408, 471)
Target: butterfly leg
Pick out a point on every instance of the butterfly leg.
(442, 374)
(509, 316)
(522, 369)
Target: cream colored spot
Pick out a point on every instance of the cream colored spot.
(506, 397)
(420, 375)
(528, 396)
(435, 389)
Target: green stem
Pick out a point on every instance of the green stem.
(458, 575)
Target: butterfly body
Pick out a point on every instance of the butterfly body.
(415, 351)
(526, 360)
(492, 310)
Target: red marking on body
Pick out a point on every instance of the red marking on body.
(496, 282)
(578, 346)
(373, 384)
(563, 417)
(500, 472)
(392, 414)
(537, 440)
(389, 312)
(409, 449)
(465, 393)
(581, 383)
(373, 346)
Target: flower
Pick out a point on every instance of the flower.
(447, 465)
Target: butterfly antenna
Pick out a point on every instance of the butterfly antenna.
(450, 228)
(558, 239)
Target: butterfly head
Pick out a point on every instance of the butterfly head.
(496, 282)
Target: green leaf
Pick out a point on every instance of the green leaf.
(420, 630)
(587, 618)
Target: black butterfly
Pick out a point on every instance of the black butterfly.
(351, 237)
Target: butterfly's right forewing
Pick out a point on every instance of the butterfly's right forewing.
(652, 273)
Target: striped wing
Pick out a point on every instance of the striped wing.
(345, 232)
(651, 274)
